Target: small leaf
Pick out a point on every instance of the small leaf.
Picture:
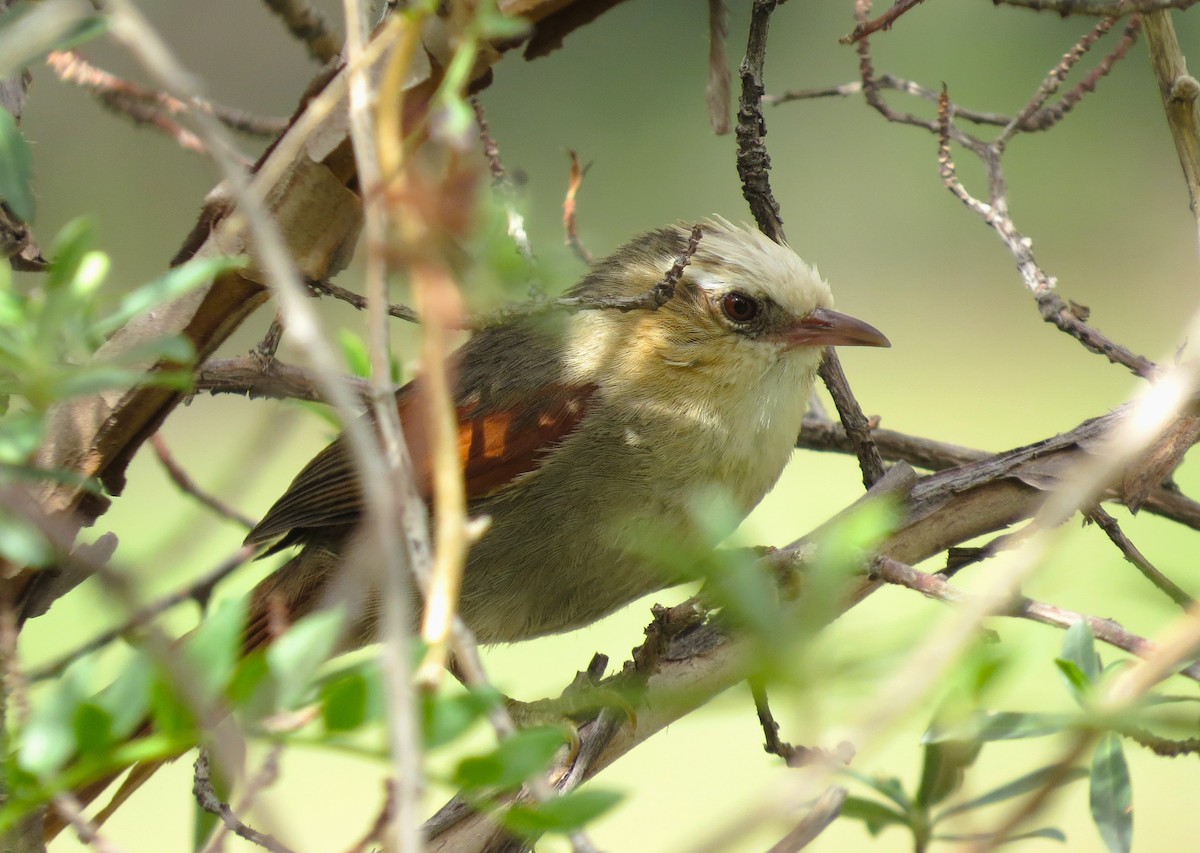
(1111, 795)
(49, 738)
(93, 729)
(22, 544)
(513, 761)
(1077, 681)
(942, 770)
(127, 699)
(16, 168)
(1047, 833)
(1002, 725)
(1079, 647)
(354, 350)
(295, 657)
(344, 703)
(1029, 782)
(875, 815)
(564, 813)
(213, 650)
(889, 786)
(445, 718)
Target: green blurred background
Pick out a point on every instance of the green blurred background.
(972, 363)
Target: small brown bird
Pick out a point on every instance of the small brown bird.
(584, 435)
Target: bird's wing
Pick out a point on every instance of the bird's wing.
(496, 444)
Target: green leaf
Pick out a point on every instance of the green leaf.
(1002, 725)
(1029, 782)
(513, 761)
(31, 30)
(16, 168)
(295, 657)
(564, 813)
(889, 786)
(1111, 795)
(171, 285)
(127, 699)
(1079, 647)
(942, 770)
(213, 650)
(1077, 681)
(874, 814)
(1047, 833)
(445, 718)
(93, 729)
(354, 350)
(49, 738)
(344, 702)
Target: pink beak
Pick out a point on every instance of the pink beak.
(825, 327)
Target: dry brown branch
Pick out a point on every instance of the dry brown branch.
(654, 298)
(503, 185)
(149, 106)
(753, 162)
(1098, 8)
(328, 288)
(1131, 553)
(306, 24)
(570, 222)
(823, 812)
(375, 831)
(207, 799)
(883, 22)
(1105, 630)
(1179, 91)
(199, 591)
(188, 486)
(267, 775)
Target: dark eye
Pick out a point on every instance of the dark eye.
(739, 307)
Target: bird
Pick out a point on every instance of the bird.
(583, 435)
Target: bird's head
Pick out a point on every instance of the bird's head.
(745, 309)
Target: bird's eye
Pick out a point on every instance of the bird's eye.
(739, 307)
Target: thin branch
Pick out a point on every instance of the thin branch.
(772, 742)
(145, 105)
(1099, 8)
(1179, 91)
(269, 345)
(1117, 536)
(188, 486)
(328, 288)
(70, 810)
(657, 296)
(384, 815)
(503, 185)
(306, 24)
(198, 591)
(267, 775)
(883, 22)
(208, 800)
(1106, 630)
(857, 427)
(823, 812)
(753, 162)
(570, 223)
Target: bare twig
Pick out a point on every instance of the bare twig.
(883, 22)
(1099, 8)
(188, 486)
(328, 288)
(772, 742)
(823, 812)
(375, 832)
(1109, 525)
(199, 591)
(654, 298)
(570, 224)
(1105, 630)
(145, 105)
(267, 775)
(208, 800)
(753, 162)
(306, 24)
(70, 810)
(853, 420)
(1179, 91)
(503, 184)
